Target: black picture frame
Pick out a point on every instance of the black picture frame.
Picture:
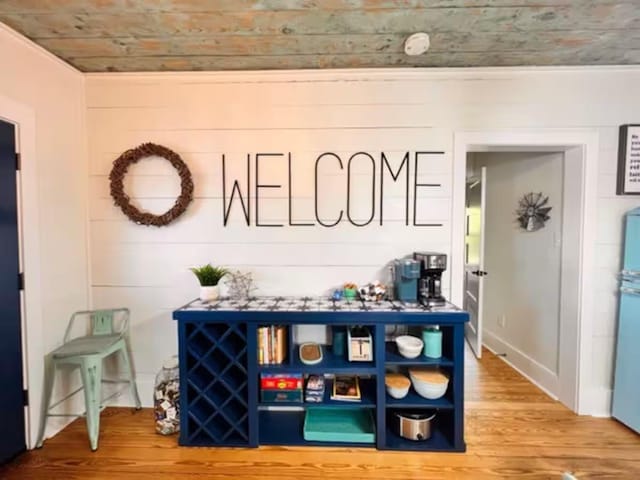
(624, 161)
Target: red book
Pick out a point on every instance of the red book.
(284, 382)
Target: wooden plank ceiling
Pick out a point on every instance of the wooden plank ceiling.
(173, 35)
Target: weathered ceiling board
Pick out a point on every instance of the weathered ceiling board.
(184, 35)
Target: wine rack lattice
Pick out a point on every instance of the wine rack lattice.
(216, 385)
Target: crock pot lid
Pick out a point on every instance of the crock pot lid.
(416, 416)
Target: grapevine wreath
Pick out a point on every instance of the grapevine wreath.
(122, 200)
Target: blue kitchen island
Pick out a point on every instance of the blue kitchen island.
(220, 373)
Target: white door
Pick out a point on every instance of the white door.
(474, 260)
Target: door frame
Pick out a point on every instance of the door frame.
(578, 145)
(474, 180)
(29, 241)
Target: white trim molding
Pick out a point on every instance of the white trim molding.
(340, 74)
(32, 331)
(599, 402)
(579, 145)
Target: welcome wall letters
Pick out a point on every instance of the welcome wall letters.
(382, 168)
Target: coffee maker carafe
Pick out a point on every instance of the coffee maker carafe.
(432, 265)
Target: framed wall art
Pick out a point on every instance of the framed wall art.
(629, 160)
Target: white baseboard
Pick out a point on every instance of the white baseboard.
(535, 372)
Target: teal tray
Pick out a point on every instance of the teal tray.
(353, 425)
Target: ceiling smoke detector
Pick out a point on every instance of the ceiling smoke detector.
(416, 44)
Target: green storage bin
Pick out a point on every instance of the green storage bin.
(352, 425)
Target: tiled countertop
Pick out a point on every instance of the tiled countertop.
(311, 304)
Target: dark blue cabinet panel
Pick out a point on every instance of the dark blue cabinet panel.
(12, 438)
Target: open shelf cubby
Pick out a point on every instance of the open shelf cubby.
(367, 391)
(330, 364)
(393, 357)
(413, 400)
(438, 442)
(442, 435)
(220, 373)
(286, 427)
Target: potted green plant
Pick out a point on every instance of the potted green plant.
(209, 276)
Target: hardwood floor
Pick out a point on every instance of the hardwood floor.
(513, 430)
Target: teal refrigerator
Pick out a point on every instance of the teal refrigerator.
(626, 389)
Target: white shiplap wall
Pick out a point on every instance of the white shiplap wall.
(204, 115)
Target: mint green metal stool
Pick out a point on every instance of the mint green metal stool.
(87, 353)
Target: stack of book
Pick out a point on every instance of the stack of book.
(346, 388)
(272, 345)
(314, 393)
(281, 387)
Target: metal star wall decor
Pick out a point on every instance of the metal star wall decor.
(532, 212)
(241, 284)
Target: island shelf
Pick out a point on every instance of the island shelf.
(219, 371)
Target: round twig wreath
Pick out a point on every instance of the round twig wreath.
(122, 200)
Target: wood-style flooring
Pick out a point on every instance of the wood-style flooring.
(513, 430)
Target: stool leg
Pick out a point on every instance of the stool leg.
(49, 377)
(130, 375)
(92, 379)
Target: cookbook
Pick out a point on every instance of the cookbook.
(346, 388)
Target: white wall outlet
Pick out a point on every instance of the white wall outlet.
(557, 239)
(502, 320)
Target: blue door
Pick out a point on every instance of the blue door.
(626, 393)
(12, 439)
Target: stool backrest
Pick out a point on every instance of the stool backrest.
(113, 321)
(102, 322)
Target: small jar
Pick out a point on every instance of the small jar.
(166, 398)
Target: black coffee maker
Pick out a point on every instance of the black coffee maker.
(432, 265)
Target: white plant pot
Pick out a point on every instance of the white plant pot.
(208, 294)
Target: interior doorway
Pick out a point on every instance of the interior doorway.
(12, 441)
(513, 260)
(579, 214)
(23, 119)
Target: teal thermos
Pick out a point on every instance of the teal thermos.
(432, 338)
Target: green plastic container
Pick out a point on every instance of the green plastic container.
(350, 293)
(352, 425)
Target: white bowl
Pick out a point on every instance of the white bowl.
(432, 392)
(398, 392)
(408, 346)
(397, 385)
(429, 390)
